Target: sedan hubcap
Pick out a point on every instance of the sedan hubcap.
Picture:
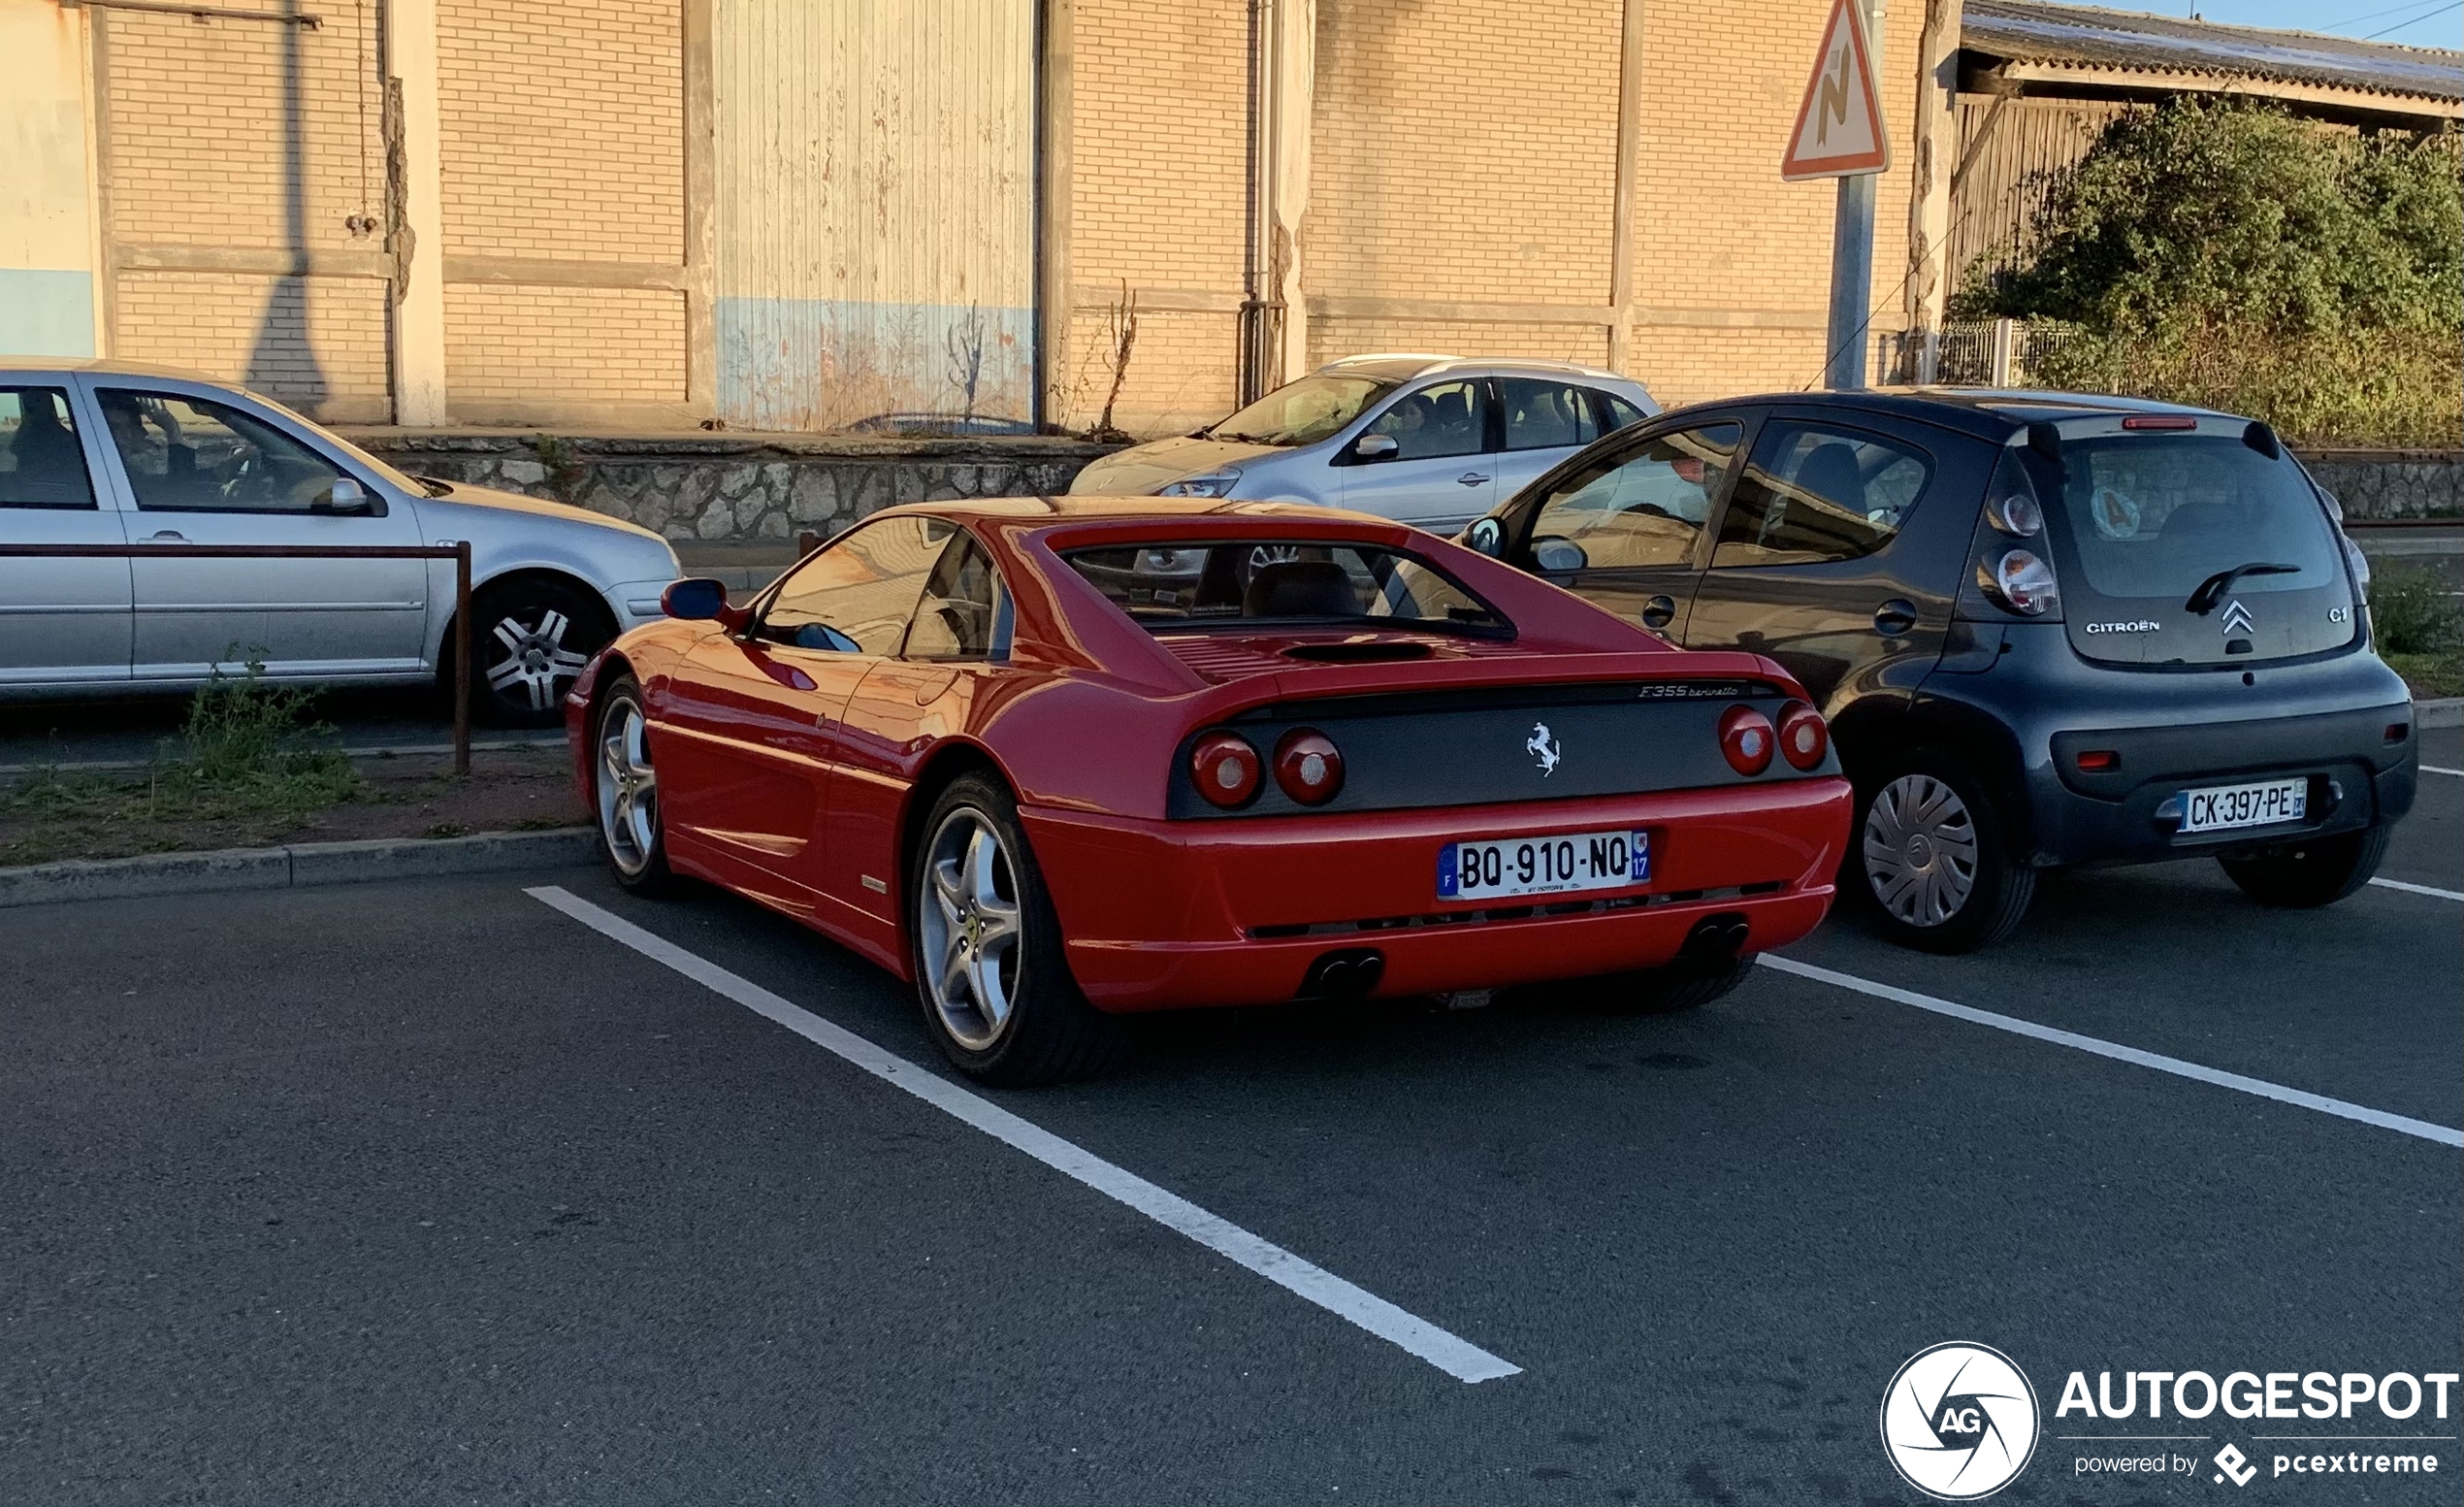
(969, 928)
(531, 666)
(628, 789)
(1920, 849)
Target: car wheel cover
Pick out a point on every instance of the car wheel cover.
(529, 662)
(628, 789)
(1920, 848)
(970, 930)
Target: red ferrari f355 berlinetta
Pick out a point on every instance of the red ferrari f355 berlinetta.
(1055, 759)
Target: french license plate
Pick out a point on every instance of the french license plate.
(2220, 808)
(1568, 862)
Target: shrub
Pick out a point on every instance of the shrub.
(2225, 253)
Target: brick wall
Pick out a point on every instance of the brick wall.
(1714, 226)
(247, 137)
(1464, 150)
(1157, 145)
(507, 343)
(563, 140)
(562, 129)
(317, 343)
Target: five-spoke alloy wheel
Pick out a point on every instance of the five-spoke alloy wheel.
(987, 949)
(529, 640)
(625, 789)
(970, 929)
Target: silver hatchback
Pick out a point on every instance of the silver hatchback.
(113, 453)
(1430, 441)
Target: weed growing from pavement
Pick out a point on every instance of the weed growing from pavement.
(247, 753)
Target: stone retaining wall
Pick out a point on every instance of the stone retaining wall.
(731, 487)
(746, 487)
(2392, 483)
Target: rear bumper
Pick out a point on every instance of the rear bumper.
(2324, 721)
(2355, 779)
(1169, 914)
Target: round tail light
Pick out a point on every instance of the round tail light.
(1746, 738)
(1803, 740)
(2026, 583)
(1308, 767)
(1225, 768)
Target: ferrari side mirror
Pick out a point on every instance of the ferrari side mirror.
(698, 598)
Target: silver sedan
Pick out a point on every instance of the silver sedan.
(96, 452)
(1430, 441)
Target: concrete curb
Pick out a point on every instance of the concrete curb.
(300, 864)
(2443, 712)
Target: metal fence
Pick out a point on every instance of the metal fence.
(1981, 353)
(458, 552)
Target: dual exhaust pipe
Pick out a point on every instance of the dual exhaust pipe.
(1354, 972)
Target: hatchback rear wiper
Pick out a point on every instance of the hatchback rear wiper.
(2212, 590)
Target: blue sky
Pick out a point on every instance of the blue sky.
(2425, 23)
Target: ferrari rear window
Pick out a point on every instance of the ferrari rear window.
(1281, 581)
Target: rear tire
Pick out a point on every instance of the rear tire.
(624, 791)
(2306, 875)
(991, 975)
(1930, 859)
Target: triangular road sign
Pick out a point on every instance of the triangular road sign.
(1839, 129)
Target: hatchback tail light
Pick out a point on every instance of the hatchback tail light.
(2010, 565)
(1308, 767)
(1803, 739)
(1746, 738)
(2022, 581)
(1225, 768)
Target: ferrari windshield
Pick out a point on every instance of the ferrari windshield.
(1281, 581)
(1302, 413)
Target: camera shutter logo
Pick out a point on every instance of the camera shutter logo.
(1960, 1421)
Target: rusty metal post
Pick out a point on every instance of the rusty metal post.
(462, 657)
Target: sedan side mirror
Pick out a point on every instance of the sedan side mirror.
(1555, 555)
(1486, 535)
(345, 494)
(698, 598)
(1375, 447)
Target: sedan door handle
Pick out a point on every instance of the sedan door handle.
(1473, 478)
(1895, 617)
(167, 536)
(1657, 611)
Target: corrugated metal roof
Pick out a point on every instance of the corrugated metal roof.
(2093, 37)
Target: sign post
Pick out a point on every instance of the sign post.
(1841, 134)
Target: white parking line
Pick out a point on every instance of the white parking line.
(2419, 888)
(2125, 1054)
(2432, 768)
(1458, 1358)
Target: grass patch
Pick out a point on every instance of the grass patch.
(246, 754)
(2430, 675)
(2419, 631)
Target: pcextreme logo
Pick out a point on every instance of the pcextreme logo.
(1960, 1421)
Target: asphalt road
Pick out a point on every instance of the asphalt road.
(429, 1193)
